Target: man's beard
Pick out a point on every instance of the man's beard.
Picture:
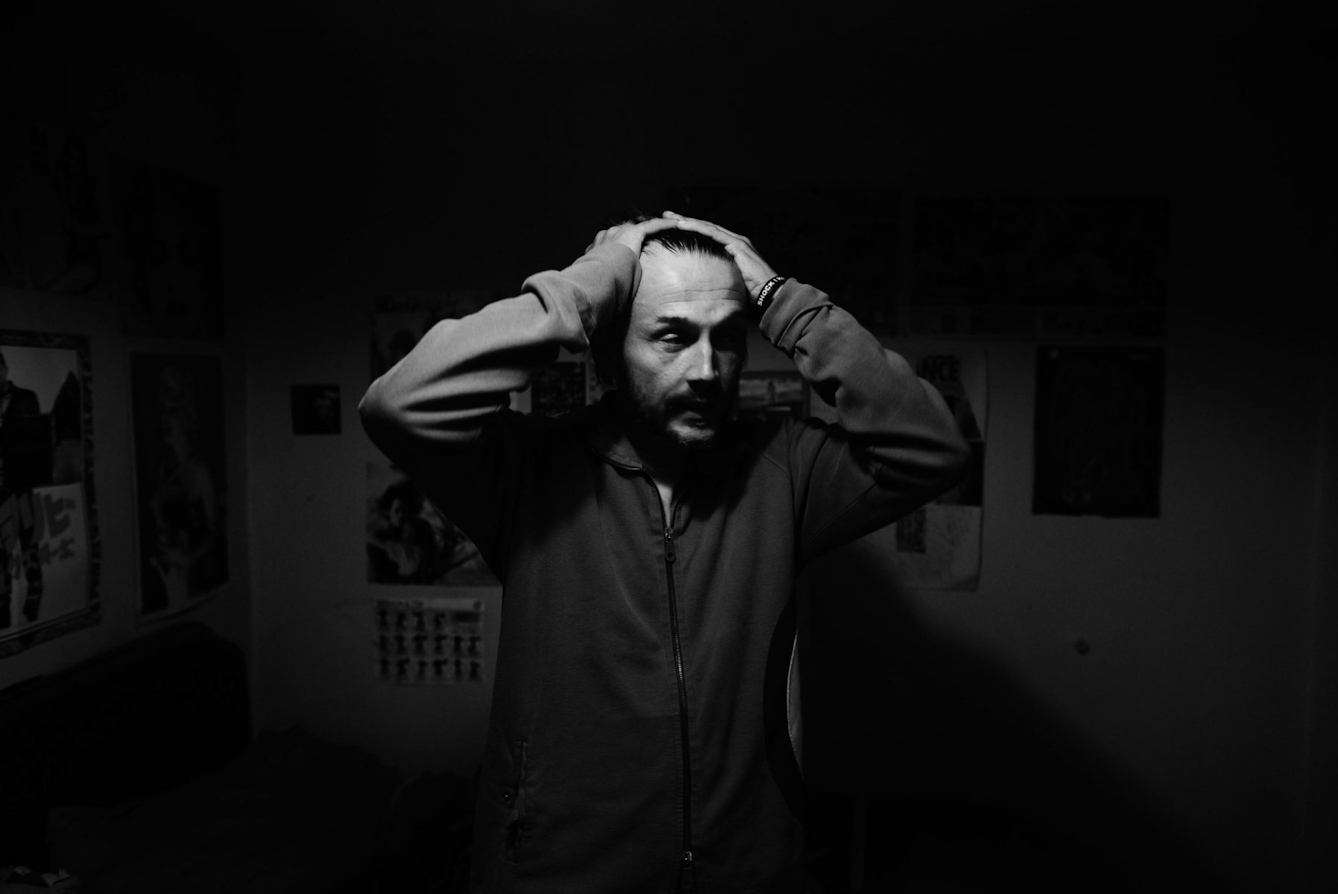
(654, 425)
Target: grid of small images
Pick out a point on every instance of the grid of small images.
(430, 640)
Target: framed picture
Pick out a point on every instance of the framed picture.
(49, 555)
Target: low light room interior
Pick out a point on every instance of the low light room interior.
(1105, 661)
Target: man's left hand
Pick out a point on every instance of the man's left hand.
(755, 271)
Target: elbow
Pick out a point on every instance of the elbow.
(952, 464)
(378, 413)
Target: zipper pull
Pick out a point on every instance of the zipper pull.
(686, 879)
(669, 553)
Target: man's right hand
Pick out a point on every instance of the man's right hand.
(632, 234)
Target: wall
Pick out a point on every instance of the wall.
(105, 83)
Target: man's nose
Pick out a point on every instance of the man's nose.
(703, 362)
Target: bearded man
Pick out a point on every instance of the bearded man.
(644, 726)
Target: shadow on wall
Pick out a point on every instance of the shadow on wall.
(930, 769)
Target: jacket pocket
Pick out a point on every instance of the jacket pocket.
(515, 805)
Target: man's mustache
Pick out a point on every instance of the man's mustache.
(700, 402)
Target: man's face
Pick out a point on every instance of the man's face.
(686, 343)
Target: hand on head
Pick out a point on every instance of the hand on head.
(632, 233)
(755, 271)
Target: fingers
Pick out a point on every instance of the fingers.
(717, 232)
(631, 233)
(656, 224)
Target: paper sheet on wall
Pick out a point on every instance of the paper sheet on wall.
(938, 545)
(430, 641)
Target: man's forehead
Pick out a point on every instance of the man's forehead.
(673, 277)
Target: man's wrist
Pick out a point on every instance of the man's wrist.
(766, 295)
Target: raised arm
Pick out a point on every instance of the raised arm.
(896, 444)
(462, 371)
(426, 413)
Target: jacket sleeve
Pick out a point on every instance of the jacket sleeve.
(895, 445)
(441, 415)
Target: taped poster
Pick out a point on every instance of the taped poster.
(937, 546)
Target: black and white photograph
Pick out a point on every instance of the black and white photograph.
(714, 448)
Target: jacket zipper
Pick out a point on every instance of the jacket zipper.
(685, 879)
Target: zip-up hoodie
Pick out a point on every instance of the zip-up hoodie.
(639, 738)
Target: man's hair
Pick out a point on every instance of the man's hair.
(606, 347)
(687, 242)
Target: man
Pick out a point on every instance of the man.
(648, 545)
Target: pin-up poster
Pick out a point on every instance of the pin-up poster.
(938, 545)
(49, 547)
(177, 402)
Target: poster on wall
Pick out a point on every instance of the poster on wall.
(938, 545)
(430, 641)
(55, 212)
(1098, 431)
(49, 546)
(181, 491)
(410, 542)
